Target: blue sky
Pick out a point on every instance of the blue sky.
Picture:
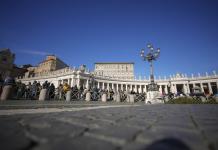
(89, 31)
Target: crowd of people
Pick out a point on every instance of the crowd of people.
(31, 91)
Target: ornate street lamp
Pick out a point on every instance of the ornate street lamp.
(151, 56)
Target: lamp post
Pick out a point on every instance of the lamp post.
(151, 56)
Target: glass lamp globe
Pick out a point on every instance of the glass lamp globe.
(149, 45)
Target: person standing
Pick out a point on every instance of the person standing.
(7, 92)
(60, 91)
(33, 90)
(1, 84)
(66, 88)
(51, 91)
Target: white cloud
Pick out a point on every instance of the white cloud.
(33, 52)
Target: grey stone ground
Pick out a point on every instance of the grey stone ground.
(81, 125)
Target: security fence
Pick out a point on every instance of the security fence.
(32, 92)
(193, 100)
(140, 97)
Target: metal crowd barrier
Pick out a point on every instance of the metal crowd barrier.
(140, 97)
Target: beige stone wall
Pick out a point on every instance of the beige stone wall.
(50, 64)
(116, 70)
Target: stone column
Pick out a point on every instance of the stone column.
(112, 86)
(174, 88)
(59, 82)
(185, 88)
(194, 85)
(65, 81)
(127, 87)
(131, 87)
(78, 82)
(107, 86)
(210, 88)
(117, 87)
(145, 89)
(124, 86)
(217, 86)
(165, 90)
(188, 89)
(69, 81)
(121, 87)
(87, 83)
(98, 85)
(140, 88)
(135, 88)
(73, 81)
(160, 89)
(202, 87)
(103, 86)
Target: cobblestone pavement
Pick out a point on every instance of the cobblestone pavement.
(96, 125)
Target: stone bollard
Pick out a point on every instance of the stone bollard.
(104, 97)
(203, 99)
(60, 96)
(43, 95)
(68, 96)
(6, 92)
(216, 99)
(166, 99)
(88, 96)
(115, 97)
(118, 97)
(131, 98)
(127, 98)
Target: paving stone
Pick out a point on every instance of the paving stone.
(80, 143)
(52, 130)
(135, 123)
(211, 135)
(12, 137)
(135, 146)
(188, 125)
(114, 134)
(128, 128)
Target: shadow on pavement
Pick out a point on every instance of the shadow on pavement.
(168, 144)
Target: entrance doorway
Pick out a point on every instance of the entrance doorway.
(179, 88)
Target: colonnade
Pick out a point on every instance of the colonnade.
(207, 84)
(139, 87)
